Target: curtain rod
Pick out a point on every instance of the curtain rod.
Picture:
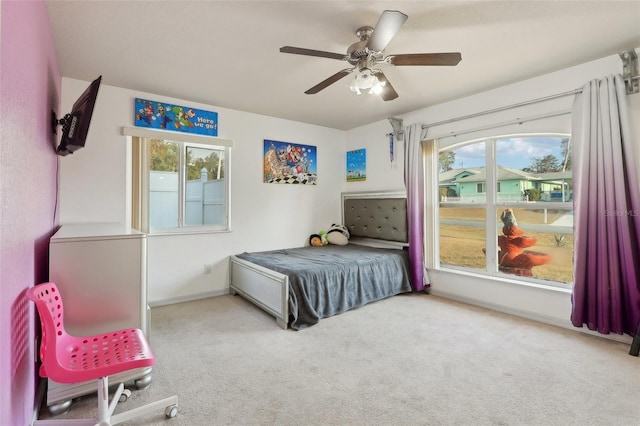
(504, 108)
(491, 111)
(503, 124)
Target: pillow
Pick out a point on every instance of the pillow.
(338, 234)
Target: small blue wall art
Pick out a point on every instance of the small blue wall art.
(357, 165)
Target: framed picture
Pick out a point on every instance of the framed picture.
(357, 165)
(290, 163)
(179, 118)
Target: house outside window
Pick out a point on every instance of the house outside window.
(180, 186)
(511, 216)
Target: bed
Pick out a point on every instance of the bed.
(300, 286)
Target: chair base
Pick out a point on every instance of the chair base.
(106, 408)
(59, 396)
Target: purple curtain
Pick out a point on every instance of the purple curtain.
(414, 184)
(606, 293)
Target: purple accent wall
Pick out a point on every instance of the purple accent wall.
(30, 84)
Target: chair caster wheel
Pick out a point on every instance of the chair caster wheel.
(143, 382)
(124, 396)
(60, 407)
(171, 411)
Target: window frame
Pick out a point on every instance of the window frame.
(492, 206)
(141, 185)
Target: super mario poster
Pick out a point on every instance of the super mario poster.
(290, 163)
(165, 116)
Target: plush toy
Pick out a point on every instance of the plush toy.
(319, 239)
(338, 234)
(315, 240)
(323, 237)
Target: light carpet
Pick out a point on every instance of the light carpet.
(413, 359)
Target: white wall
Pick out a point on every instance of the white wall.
(537, 302)
(274, 216)
(95, 187)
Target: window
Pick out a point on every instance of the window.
(506, 207)
(180, 186)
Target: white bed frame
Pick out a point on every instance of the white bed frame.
(264, 287)
(269, 289)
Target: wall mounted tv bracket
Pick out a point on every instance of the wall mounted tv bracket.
(65, 122)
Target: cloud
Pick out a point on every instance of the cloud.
(515, 152)
(529, 147)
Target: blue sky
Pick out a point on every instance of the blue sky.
(516, 152)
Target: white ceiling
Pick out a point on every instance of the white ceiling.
(226, 53)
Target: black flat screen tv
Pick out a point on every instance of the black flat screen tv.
(75, 125)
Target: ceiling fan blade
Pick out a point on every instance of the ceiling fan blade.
(388, 25)
(451, 58)
(311, 52)
(329, 81)
(388, 92)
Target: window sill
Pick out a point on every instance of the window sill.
(187, 232)
(531, 283)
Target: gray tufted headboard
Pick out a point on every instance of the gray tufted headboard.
(379, 216)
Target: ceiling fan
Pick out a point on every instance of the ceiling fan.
(365, 54)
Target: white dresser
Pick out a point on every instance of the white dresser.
(101, 271)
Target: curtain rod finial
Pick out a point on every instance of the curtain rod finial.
(398, 129)
(630, 71)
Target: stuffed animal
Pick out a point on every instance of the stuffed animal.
(338, 234)
(315, 240)
(323, 237)
(319, 239)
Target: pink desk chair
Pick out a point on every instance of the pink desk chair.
(70, 359)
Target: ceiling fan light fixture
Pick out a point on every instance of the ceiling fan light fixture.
(365, 79)
(355, 89)
(376, 89)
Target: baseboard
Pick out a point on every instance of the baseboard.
(531, 316)
(189, 298)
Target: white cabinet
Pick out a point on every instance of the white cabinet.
(101, 272)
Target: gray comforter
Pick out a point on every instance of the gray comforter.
(328, 280)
